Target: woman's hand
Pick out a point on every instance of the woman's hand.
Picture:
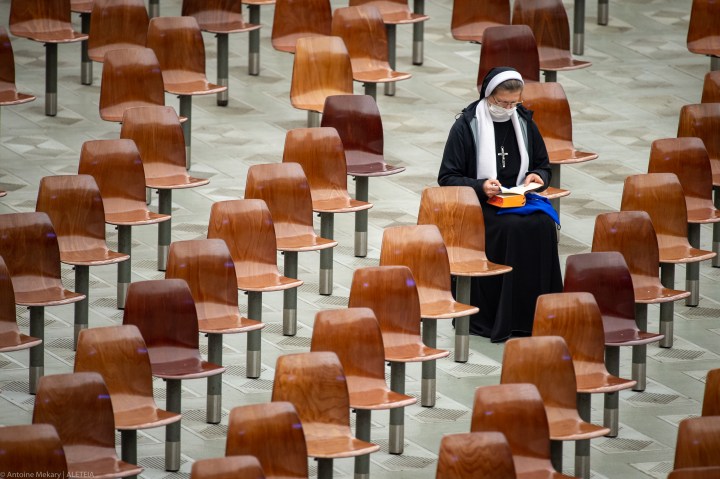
(491, 187)
(533, 178)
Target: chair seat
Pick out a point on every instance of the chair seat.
(97, 54)
(183, 83)
(704, 46)
(234, 26)
(175, 182)
(469, 32)
(44, 297)
(625, 336)
(703, 215)
(682, 254)
(133, 218)
(116, 111)
(379, 75)
(327, 441)
(602, 382)
(573, 428)
(658, 294)
(570, 156)
(84, 460)
(187, 368)
(340, 205)
(94, 257)
(263, 283)
(377, 396)
(10, 97)
(563, 64)
(372, 168)
(15, 341)
(399, 17)
(478, 267)
(314, 100)
(553, 193)
(413, 353)
(228, 324)
(304, 242)
(59, 36)
(287, 43)
(258, 2)
(3, 193)
(446, 309)
(535, 468)
(144, 418)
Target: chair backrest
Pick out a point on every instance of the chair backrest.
(512, 46)
(711, 399)
(10, 336)
(695, 473)
(273, 433)
(711, 88)
(117, 24)
(40, 18)
(703, 121)
(703, 35)
(475, 454)
(32, 450)
(549, 22)
(180, 49)
(212, 13)
(363, 31)
(296, 19)
(234, 467)
(551, 114)
(470, 18)
(698, 442)
(7, 66)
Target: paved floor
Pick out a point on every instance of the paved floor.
(642, 74)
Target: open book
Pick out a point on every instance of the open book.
(512, 197)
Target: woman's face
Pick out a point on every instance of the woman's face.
(506, 99)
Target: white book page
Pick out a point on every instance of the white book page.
(521, 190)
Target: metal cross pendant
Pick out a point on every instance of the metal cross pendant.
(502, 155)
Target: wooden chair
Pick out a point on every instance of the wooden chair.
(549, 23)
(545, 361)
(130, 78)
(512, 46)
(711, 398)
(208, 269)
(48, 22)
(119, 173)
(84, 8)
(517, 411)
(78, 406)
(695, 473)
(576, 317)
(363, 32)
(235, 467)
(321, 68)
(315, 384)
(661, 196)
(363, 149)
(703, 35)
(164, 312)
(159, 137)
(248, 230)
(31, 451)
(471, 18)
(711, 88)
(285, 190)
(698, 442)
(220, 17)
(121, 356)
(273, 433)
(75, 208)
(179, 46)
(29, 246)
(8, 91)
(320, 153)
(296, 19)
(475, 454)
(606, 276)
(390, 292)
(457, 213)
(421, 249)
(354, 335)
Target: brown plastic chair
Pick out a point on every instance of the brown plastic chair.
(296, 19)
(354, 335)
(220, 17)
(235, 467)
(363, 32)
(75, 208)
(164, 312)
(711, 88)
(661, 196)
(475, 454)
(121, 356)
(320, 153)
(390, 292)
(545, 361)
(698, 442)
(271, 432)
(48, 22)
(84, 8)
(470, 18)
(363, 149)
(29, 246)
(119, 173)
(695, 473)
(285, 190)
(711, 399)
(576, 317)
(703, 35)
(512, 46)
(549, 23)
(315, 384)
(517, 411)
(78, 406)
(32, 450)
(248, 230)
(8, 91)
(421, 249)
(457, 213)
(606, 276)
(158, 135)
(208, 269)
(115, 25)
(321, 68)
(131, 78)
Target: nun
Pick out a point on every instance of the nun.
(494, 142)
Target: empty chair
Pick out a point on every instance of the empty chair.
(509, 45)
(363, 149)
(234, 467)
(75, 208)
(471, 18)
(549, 22)
(354, 335)
(320, 153)
(457, 213)
(475, 454)
(321, 68)
(273, 433)
(703, 35)
(698, 442)
(32, 451)
(517, 411)
(296, 19)
(121, 357)
(390, 292)
(363, 32)
(84, 8)
(79, 407)
(48, 22)
(315, 384)
(8, 91)
(159, 138)
(164, 312)
(711, 399)
(711, 88)
(29, 246)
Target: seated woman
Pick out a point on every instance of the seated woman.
(495, 143)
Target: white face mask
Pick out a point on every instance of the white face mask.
(499, 113)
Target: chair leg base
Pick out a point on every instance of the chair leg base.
(427, 392)
(162, 258)
(122, 289)
(86, 73)
(326, 282)
(289, 322)
(51, 104)
(462, 342)
(692, 285)
(361, 242)
(253, 365)
(639, 374)
(36, 372)
(603, 12)
(714, 63)
(582, 459)
(611, 417)
(214, 409)
(578, 43)
(390, 89)
(172, 456)
(76, 334)
(418, 52)
(716, 248)
(666, 328)
(396, 444)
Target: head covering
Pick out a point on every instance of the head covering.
(495, 77)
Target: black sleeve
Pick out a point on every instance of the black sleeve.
(456, 166)
(540, 162)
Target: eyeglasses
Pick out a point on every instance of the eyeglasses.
(506, 104)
